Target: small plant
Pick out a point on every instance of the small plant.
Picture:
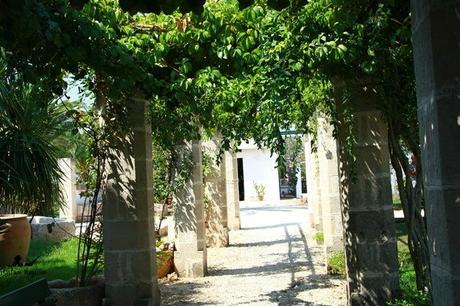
(260, 190)
(336, 263)
(319, 237)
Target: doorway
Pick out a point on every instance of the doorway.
(240, 179)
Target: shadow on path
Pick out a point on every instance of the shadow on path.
(269, 262)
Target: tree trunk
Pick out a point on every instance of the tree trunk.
(412, 202)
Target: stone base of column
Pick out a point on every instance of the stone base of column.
(235, 226)
(379, 281)
(336, 246)
(119, 294)
(190, 264)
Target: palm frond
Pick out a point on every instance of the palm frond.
(29, 171)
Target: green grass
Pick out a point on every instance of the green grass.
(397, 203)
(410, 294)
(56, 261)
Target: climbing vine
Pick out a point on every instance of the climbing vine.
(248, 69)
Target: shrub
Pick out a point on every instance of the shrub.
(336, 263)
(29, 169)
(319, 237)
(260, 189)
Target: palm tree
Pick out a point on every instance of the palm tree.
(29, 173)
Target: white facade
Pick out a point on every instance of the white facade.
(259, 167)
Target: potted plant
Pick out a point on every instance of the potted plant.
(260, 190)
(29, 171)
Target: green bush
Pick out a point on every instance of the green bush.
(336, 263)
(29, 171)
(319, 237)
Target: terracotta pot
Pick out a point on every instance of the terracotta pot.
(169, 202)
(16, 240)
(165, 265)
(261, 198)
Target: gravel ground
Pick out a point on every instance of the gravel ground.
(269, 262)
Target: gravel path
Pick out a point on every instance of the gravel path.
(269, 262)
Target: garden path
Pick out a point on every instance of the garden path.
(270, 261)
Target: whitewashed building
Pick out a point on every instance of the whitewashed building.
(258, 166)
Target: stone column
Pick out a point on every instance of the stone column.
(129, 247)
(313, 187)
(215, 197)
(330, 193)
(233, 201)
(436, 41)
(298, 186)
(370, 238)
(68, 189)
(190, 258)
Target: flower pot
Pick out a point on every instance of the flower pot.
(260, 197)
(165, 263)
(16, 240)
(169, 202)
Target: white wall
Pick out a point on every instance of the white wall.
(258, 166)
(67, 184)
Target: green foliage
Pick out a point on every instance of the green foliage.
(207, 162)
(336, 263)
(260, 189)
(293, 159)
(167, 6)
(29, 171)
(397, 203)
(319, 237)
(162, 174)
(247, 71)
(169, 172)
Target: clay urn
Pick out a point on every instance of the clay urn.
(15, 239)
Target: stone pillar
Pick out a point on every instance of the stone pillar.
(233, 201)
(68, 189)
(370, 238)
(215, 197)
(298, 186)
(313, 187)
(436, 41)
(330, 193)
(129, 247)
(190, 258)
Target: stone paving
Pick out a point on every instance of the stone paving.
(270, 261)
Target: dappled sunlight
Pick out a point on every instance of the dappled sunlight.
(269, 261)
